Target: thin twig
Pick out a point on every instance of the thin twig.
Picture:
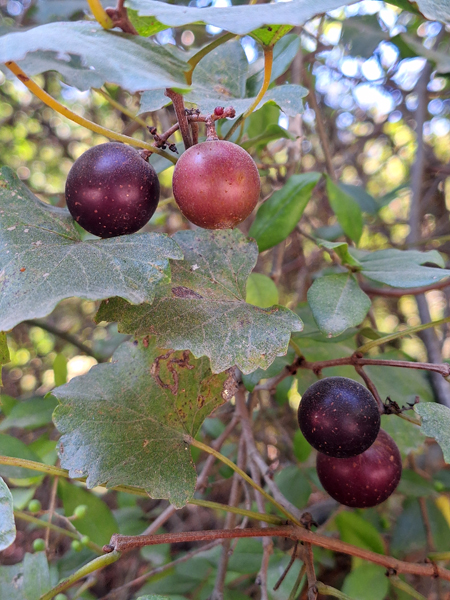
(67, 337)
(320, 125)
(371, 386)
(123, 543)
(178, 105)
(288, 568)
(51, 510)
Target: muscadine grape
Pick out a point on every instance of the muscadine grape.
(364, 480)
(216, 184)
(80, 511)
(38, 545)
(339, 417)
(111, 190)
(34, 506)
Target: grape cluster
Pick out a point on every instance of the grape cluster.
(358, 463)
(112, 190)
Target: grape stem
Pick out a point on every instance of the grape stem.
(66, 112)
(353, 360)
(100, 15)
(180, 111)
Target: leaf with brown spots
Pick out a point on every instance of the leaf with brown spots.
(124, 422)
(204, 310)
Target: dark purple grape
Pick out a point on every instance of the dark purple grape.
(339, 417)
(364, 480)
(111, 190)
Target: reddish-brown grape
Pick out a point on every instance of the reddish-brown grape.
(339, 417)
(364, 480)
(216, 184)
(111, 190)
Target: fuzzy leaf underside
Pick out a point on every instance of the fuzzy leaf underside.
(7, 525)
(43, 260)
(236, 19)
(125, 422)
(436, 424)
(89, 56)
(203, 309)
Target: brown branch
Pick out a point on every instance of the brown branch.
(119, 16)
(178, 105)
(399, 292)
(320, 125)
(355, 361)
(124, 543)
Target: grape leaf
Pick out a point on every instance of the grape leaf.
(436, 424)
(27, 580)
(148, 65)
(279, 215)
(4, 353)
(261, 291)
(7, 525)
(435, 10)
(236, 19)
(203, 309)
(125, 422)
(145, 26)
(341, 249)
(403, 268)
(43, 260)
(220, 79)
(337, 303)
(346, 209)
(270, 34)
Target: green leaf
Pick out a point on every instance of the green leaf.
(346, 209)
(272, 132)
(7, 525)
(367, 203)
(403, 268)
(43, 260)
(436, 424)
(4, 353)
(361, 35)
(203, 309)
(435, 10)
(409, 532)
(261, 291)
(125, 422)
(99, 523)
(337, 303)
(355, 529)
(236, 19)
(30, 414)
(341, 249)
(412, 484)
(279, 215)
(302, 448)
(145, 26)
(11, 446)
(270, 34)
(153, 597)
(102, 56)
(367, 582)
(27, 580)
(293, 485)
(60, 369)
(246, 557)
